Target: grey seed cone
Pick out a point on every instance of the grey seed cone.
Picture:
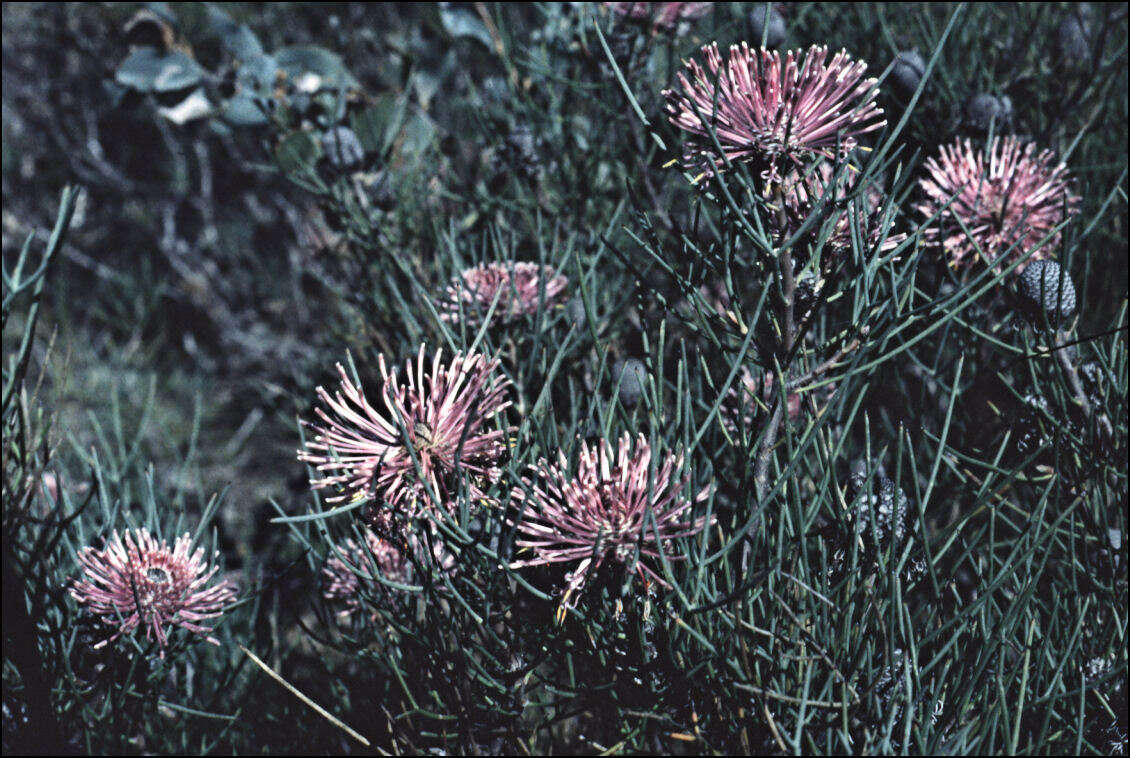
(631, 375)
(1046, 291)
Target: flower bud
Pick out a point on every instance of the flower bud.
(907, 72)
(631, 376)
(776, 33)
(983, 111)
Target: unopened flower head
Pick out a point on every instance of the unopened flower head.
(748, 400)
(419, 436)
(822, 189)
(664, 16)
(766, 107)
(519, 287)
(343, 579)
(879, 522)
(1007, 201)
(600, 512)
(139, 580)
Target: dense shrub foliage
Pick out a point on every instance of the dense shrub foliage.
(586, 377)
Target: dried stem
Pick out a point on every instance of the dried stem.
(1077, 385)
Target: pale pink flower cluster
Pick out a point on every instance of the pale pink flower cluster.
(520, 289)
(1007, 200)
(820, 189)
(664, 16)
(140, 581)
(343, 577)
(771, 110)
(421, 435)
(601, 511)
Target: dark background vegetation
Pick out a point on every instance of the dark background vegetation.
(201, 295)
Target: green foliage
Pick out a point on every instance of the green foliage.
(147, 70)
(252, 83)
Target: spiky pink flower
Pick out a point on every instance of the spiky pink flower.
(601, 511)
(821, 189)
(343, 577)
(140, 581)
(664, 16)
(520, 289)
(770, 110)
(1012, 198)
(440, 419)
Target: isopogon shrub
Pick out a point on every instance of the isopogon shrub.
(619, 385)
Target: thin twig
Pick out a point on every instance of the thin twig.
(499, 48)
(317, 708)
(815, 373)
(812, 641)
(788, 295)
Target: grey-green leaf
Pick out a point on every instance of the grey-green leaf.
(298, 153)
(258, 73)
(377, 127)
(238, 39)
(314, 68)
(419, 131)
(149, 70)
(243, 110)
(462, 22)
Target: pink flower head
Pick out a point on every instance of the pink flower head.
(817, 189)
(663, 15)
(139, 581)
(343, 579)
(768, 108)
(1011, 199)
(601, 511)
(361, 451)
(518, 287)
